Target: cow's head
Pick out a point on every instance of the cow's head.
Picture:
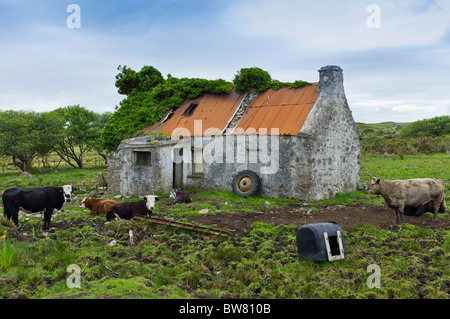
(67, 192)
(81, 204)
(173, 193)
(111, 216)
(374, 186)
(150, 201)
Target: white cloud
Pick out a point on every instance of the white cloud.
(343, 24)
(398, 72)
(54, 66)
(374, 109)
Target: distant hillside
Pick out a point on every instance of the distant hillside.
(387, 139)
(381, 128)
(438, 126)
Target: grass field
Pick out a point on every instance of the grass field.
(90, 160)
(261, 262)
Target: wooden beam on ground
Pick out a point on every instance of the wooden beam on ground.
(196, 228)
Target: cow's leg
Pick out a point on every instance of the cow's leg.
(400, 209)
(11, 212)
(399, 214)
(436, 206)
(397, 220)
(47, 217)
(14, 215)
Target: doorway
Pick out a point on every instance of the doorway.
(178, 170)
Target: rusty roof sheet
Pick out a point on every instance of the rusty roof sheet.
(214, 110)
(285, 109)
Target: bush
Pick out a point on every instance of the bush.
(392, 138)
(146, 79)
(434, 127)
(252, 79)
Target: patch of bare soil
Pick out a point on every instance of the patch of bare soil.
(297, 214)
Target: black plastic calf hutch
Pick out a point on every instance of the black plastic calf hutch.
(321, 241)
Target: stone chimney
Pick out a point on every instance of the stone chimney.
(331, 78)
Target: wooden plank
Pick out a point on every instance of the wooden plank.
(196, 228)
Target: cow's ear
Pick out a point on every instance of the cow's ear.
(156, 198)
(378, 181)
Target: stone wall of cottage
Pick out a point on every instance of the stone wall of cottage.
(128, 177)
(336, 157)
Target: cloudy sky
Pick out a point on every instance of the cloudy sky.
(395, 54)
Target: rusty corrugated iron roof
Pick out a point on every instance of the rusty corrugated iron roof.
(285, 109)
(214, 110)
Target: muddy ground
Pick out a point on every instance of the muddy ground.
(298, 214)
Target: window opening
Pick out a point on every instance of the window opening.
(168, 116)
(197, 163)
(142, 158)
(190, 109)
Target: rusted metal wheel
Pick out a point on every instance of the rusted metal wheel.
(246, 183)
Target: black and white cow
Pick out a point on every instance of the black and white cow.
(128, 210)
(179, 197)
(34, 200)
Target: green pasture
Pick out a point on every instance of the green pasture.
(165, 262)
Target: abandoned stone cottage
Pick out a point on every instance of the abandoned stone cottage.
(298, 143)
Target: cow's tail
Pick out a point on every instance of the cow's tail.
(6, 213)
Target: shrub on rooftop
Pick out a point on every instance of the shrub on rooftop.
(248, 79)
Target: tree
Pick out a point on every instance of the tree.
(97, 143)
(80, 132)
(25, 135)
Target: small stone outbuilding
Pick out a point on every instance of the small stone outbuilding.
(301, 142)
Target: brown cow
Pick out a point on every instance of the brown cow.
(410, 192)
(98, 206)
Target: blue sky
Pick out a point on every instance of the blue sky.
(397, 72)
